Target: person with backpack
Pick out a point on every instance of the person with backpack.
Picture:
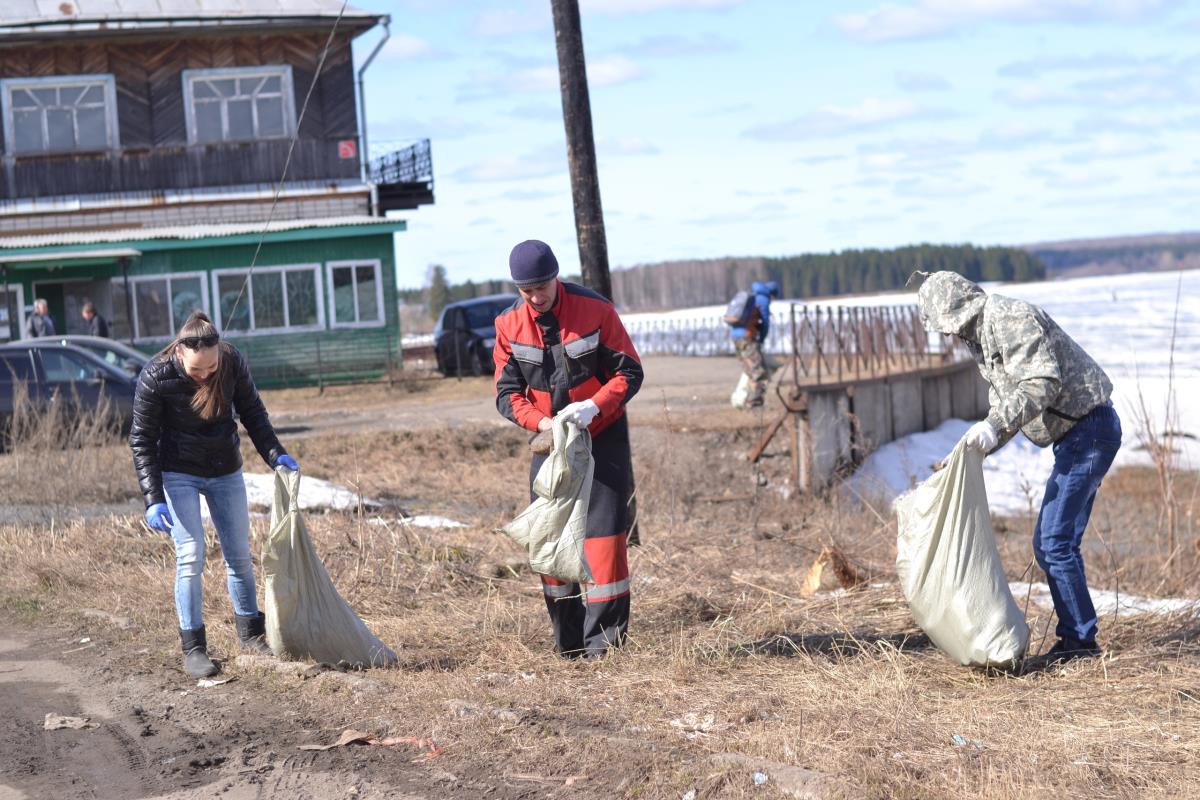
(185, 446)
(749, 320)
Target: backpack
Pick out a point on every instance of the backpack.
(740, 310)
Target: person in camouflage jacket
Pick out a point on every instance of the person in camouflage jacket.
(1042, 383)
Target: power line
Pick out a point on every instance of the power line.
(286, 163)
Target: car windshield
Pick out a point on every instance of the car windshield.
(483, 315)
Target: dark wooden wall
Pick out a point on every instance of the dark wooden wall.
(150, 112)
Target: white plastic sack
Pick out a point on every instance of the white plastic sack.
(741, 392)
(950, 569)
(306, 617)
(552, 527)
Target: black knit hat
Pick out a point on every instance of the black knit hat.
(532, 263)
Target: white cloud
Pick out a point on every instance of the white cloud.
(675, 46)
(642, 6)
(544, 162)
(1109, 146)
(511, 21)
(625, 146)
(928, 18)
(543, 78)
(610, 71)
(921, 82)
(406, 47)
(836, 120)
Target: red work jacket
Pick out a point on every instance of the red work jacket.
(578, 350)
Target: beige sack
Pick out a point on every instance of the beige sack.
(552, 527)
(950, 569)
(306, 617)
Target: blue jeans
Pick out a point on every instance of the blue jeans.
(1081, 459)
(226, 498)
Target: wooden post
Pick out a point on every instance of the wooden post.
(320, 371)
(12, 326)
(124, 262)
(581, 147)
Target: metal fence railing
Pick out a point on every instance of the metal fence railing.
(824, 343)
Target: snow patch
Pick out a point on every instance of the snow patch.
(1107, 601)
(315, 494)
(1015, 475)
(419, 521)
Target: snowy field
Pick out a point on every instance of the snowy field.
(1123, 321)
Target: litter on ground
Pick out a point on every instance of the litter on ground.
(57, 722)
(418, 521)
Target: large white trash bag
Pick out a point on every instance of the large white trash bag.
(306, 617)
(950, 569)
(741, 392)
(553, 526)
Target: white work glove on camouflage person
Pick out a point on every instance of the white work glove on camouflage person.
(982, 436)
(581, 413)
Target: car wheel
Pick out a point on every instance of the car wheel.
(474, 363)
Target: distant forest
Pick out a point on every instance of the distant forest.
(680, 284)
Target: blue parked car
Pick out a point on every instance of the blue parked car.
(466, 332)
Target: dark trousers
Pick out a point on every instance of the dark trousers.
(588, 624)
(1081, 459)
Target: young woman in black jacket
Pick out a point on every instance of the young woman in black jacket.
(185, 445)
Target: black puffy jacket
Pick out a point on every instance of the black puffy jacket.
(169, 436)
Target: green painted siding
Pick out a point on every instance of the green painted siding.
(288, 358)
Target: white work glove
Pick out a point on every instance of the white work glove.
(982, 436)
(581, 413)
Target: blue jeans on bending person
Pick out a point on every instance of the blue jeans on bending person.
(227, 504)
(1081, 459)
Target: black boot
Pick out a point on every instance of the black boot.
(195, 654)
(252, 632)
(1064, 650)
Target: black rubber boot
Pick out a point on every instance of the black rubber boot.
(1063, 651)
(195, 654)
(252, 632)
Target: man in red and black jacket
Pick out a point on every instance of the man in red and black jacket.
(562, 350)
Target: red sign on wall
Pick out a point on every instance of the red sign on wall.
(347, 148)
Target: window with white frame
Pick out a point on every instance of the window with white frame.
(160, 303)
(238, 104)
(274, 299)
(59, 114)
(355, 294)
(12, 321)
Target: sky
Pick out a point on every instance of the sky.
(777, 127)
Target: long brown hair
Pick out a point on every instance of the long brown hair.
(209, 401)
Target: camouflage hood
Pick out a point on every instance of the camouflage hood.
(1041, 381)
(949, 303)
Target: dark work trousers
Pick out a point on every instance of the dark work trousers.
(589, 625)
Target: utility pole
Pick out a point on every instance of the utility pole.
(581, 147)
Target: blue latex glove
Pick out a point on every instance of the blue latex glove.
(158, 517)
(287, 462)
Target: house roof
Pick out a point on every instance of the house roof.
(39, 18)
(146, 239)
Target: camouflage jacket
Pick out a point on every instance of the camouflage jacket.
(1042, 382)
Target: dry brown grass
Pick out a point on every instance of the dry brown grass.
(841, 683)
(55, 455)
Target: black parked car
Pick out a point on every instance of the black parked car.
(117, 354)
(466, 332)
(81, 378)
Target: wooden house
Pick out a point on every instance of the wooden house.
(153, 150)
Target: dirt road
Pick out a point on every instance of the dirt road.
(158, 735)
(680, 387)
